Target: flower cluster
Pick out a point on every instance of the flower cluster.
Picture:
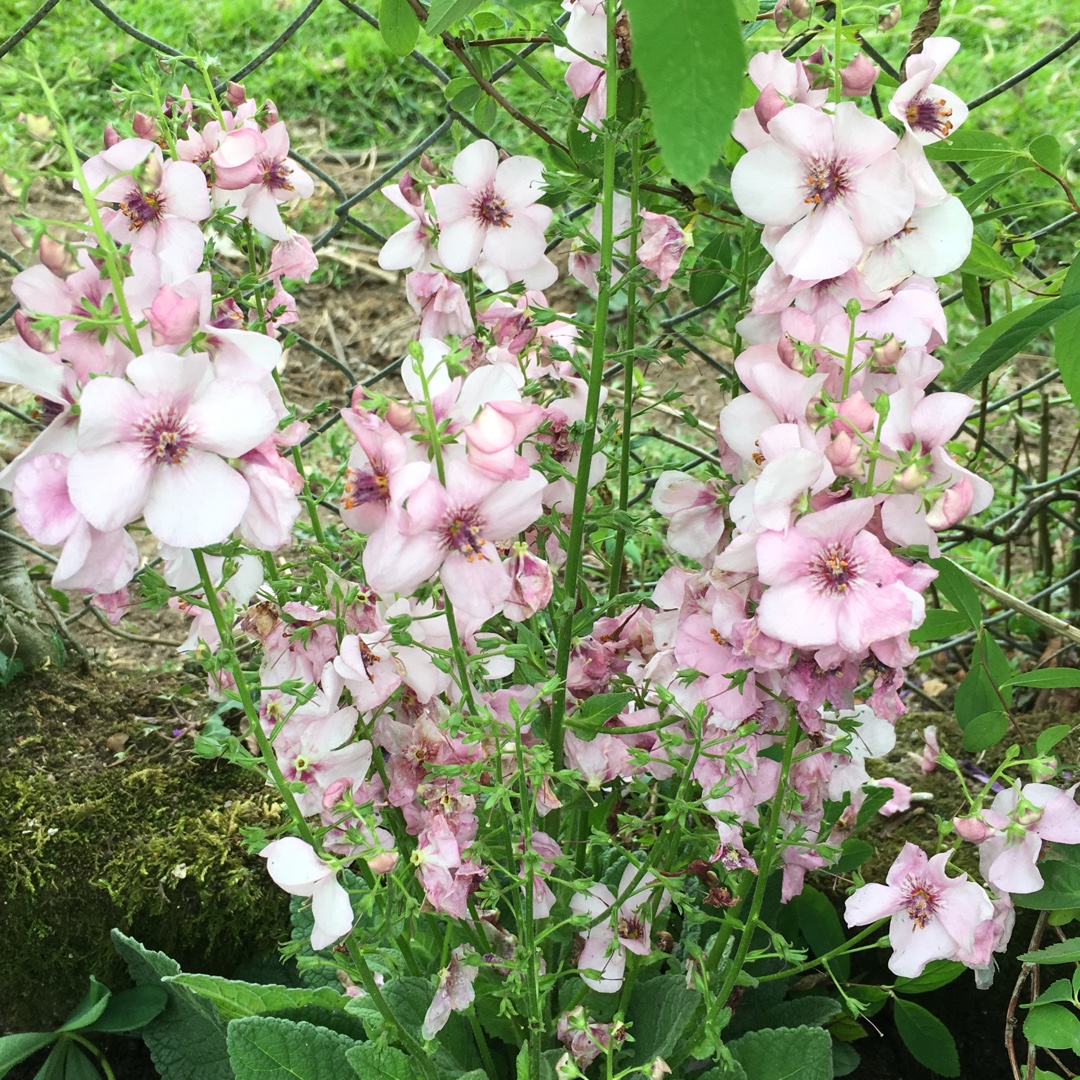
(156, 386)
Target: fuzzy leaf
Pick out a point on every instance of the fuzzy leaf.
(187, 1041)
(659, 1011)
(690, 58)
(927, 1038)
(238, 999)
(269, 1048)
(16, 1048)
(802, 1053)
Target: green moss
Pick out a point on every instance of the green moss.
(150, 844)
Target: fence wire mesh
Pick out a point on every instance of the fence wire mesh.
(1043, 494)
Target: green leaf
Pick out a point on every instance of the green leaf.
(853, 854)
(1016, 336)
(16, 1048)
(238, 999)
(1067, 338)
(53, 1069)
(131, 1009)
(973, 145)
(268, 1048)
(1060, 869)
(709, 273)
(442, 13)
(811, 1011)
(964, 357)
(957, 588)
(688, 53)
(936, 974)
(988, 729)
(845, 1059)
(1061, 952)
(940, 625)
(1047, 677)
(974, 195)
(399, 26)
(927, 1038)
(378, 1061)
(1046, 151)
(1049, 738)
(187, 1041)
(820, 925)
(599, 708)
(984, 262)
(659, 1011)
(802, 1053)
(77, 1066)
(1059, 991)
(89, 1009)
(1053, 1026)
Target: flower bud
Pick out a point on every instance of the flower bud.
(110, 136)
(858, 78)
(768, 104)
(953, 505)
(973, 830)
(41, 343)
(909, 480)
(271, 113)
(1031, 816)
(801, 9)
(889, 19)
(858, 411)
(1043, 769)
(57, 257)
(144, 127)
(887, 354)
(531, 584)
(22, 234)
(383, 863)
(843, 455)
(235, 95)
(400, 417)
(782, 16)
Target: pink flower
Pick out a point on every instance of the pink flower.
(1024, 820)
(279, 181)
(413, 245)
(697, 516)
(661, 245)
(586, 1039)
(155, 446)
(859, 76)
(159, 203)
(931, 750)
(929, 112)
(934, 917)
(622, 928)
(531, 584)
(293, 258)
(441, 304)
(453, 530)
(835, 180)
(833, 583)
(901, 799)
(296, 868)
(492, 212)
(455, 992)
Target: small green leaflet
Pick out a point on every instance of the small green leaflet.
(398, 25)
(1054, 1026)
(1067, 338)
(1045, 677)
(1061, 952)
(443, 13)
(927, 1038)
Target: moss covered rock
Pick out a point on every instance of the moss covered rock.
(109, 821)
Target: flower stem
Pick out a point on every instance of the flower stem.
(576, 544)
(269, 757)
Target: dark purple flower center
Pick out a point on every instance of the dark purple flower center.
(826, 180)
(834, 569)
(275, 174)
(365, 487)
(491, 210)
(166, 437)
(632, 927)
(930, 115)
(462, 531)
(142, 208)
(921, 903)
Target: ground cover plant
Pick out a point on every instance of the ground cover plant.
(570, 685)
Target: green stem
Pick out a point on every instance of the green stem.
(367, 980)
(614, 585)
(481, 1042)
(108, 245)
(106, 1068)
(838, 42)
(840, 950)
(244, 693)
(575, 548)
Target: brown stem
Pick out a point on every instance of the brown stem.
(1064, 187)
(481, 42)
(1025, 973)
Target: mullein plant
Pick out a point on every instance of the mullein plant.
(443, 692)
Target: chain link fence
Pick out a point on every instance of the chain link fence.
(1019, 453)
